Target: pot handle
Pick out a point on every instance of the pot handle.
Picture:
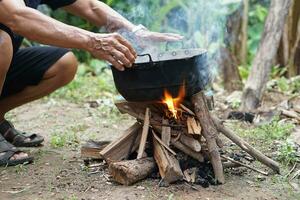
(150, 58)
(168, 45)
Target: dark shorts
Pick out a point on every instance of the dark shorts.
(28, 67)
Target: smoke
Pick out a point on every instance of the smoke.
(201, 22)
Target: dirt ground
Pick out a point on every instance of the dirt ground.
(58, 173)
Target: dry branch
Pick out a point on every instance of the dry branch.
(190, 142)
(210, 134)
(245, 146)
(188, 151)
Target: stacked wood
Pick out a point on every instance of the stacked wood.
(194, 133)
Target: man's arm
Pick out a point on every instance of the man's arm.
(102, 15)
(38, 27)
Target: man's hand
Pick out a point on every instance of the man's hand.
(114, 49)
(145, 34)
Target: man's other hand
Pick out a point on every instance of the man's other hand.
(114, 49)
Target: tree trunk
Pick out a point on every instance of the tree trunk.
(294, 60)
(261, 68)
(243, 52)
(230, 56)
(231, 76)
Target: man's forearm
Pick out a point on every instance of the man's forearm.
(100, 15)
(40, 28)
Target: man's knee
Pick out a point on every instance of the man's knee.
(67, 66)
(6, 52)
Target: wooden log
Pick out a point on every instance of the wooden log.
(144, 134)
(121, 148)
(131, 171)
(196, 155)
(168, 165)
(190, 142)
(137, 110)
(166, 132)
(245, 146)
(210, 134)
(92, 149)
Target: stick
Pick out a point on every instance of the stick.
(245, 165)
(183, 107)
(166, 133)
(144, 134)
(163, 144)
(246, 147)
(210, 133)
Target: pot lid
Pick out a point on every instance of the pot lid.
(170, 55)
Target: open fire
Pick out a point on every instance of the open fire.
(173, 104)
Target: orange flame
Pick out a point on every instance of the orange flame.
(174, 103)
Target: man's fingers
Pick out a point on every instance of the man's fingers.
(127, 44)
(121, 57)
(115, 63)
(126, 52)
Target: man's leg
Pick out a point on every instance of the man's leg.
(60, 74)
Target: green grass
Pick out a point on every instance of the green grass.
(275, 130)
(265, 135)
(64, 139)
(86, 87)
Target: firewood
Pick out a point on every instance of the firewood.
(131, 171)
(188, 151)
(144, 134)
(137, 110)
(190, 142)
(168, 165)
(163, 144)
(121, 148)
(92, 149)
(189, 126)
(291, 114)
(196, 126)
(245, 165)
(245, 146)
(183, 107)
(166, 132)
(210, 133)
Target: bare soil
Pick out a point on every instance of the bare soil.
(58, 173)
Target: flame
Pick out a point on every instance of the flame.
(174, 103)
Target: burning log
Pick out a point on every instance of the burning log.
(131, 171)
(210, 134)
(168, 165)
(124, 146)
(144, 134)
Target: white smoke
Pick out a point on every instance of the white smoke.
(201, 22)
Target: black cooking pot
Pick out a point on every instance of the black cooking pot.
(150, 75)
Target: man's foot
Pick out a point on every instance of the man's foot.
(10, 155)
(17, 138)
